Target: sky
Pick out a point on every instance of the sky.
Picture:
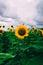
(16, 12)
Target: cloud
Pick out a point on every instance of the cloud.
(20, 11)
(39, 17)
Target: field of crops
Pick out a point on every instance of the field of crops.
(21, 50)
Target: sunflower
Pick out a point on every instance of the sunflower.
(3, 26)
(12, 26)
(0, 26)
(41, 32)
(11, 29)
(21, 31)
(1, 31)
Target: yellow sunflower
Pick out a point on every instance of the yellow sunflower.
(11, 29)
(3, 26)
(21, 31)
(1, 31)
(12, 26)
(0, 26)
(41, 32)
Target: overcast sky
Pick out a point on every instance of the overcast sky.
(16, 12)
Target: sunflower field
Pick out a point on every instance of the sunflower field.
(22, 46)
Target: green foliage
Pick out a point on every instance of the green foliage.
(27, 51)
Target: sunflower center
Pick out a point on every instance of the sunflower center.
(10, 29)
(22, 31)
(0, 31)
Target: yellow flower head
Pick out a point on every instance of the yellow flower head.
(21, 31)
(0, 26)
(11, 29)
(1, 31)
(41, 32)
(12, 26)
(3, 26)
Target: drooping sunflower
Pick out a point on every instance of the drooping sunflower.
(11, 29)
(33, 30)
(41, 32)
(1, 31)
(21, 31)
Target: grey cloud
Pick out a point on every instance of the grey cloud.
(2, 9)
(39, 17)
(22, 11)
(40, 8)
